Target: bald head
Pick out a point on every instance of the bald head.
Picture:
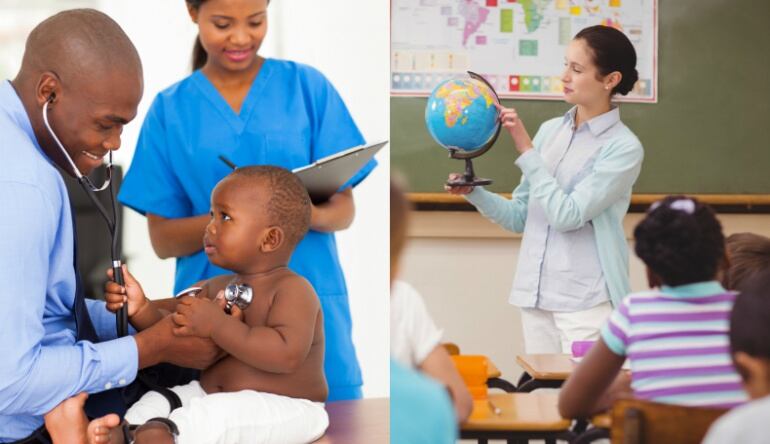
(79, 45)
(83, 70)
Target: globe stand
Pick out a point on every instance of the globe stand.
(468, 179)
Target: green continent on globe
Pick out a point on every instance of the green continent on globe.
(459, 95)
(533, 13)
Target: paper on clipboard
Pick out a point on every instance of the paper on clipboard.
(326, 176)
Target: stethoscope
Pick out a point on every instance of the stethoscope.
(112, 223)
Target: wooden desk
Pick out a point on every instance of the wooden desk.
(363, 420)
(522, 416)
(546, 370)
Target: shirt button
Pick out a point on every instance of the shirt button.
(108, 385)
(122, 381)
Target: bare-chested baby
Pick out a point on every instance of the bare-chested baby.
(270, 385)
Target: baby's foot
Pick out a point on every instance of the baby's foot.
(67, 422)
(105, 430)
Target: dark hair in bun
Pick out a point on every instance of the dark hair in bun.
(612, 51)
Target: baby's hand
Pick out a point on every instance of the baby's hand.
(117, 295)
(197, 317)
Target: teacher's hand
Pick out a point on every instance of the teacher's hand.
(457, 191)
(515, 127)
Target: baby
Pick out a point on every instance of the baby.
(270, 385)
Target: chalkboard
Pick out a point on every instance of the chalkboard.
(708, 133)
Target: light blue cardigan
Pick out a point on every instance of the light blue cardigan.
(602, 197)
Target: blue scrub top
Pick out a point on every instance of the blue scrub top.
(292, 116)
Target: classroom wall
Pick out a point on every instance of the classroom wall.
(463, 265)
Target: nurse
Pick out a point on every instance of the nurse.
(253, 111)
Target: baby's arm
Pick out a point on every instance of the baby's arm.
(280, 346)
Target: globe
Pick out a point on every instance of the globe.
(461, 114)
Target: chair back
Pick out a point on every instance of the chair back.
(636, 421)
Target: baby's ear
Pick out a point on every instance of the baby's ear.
(272, 239)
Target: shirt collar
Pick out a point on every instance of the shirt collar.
(11, 102)
(696, 290)
(598, 124)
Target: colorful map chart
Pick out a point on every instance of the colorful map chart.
(517, 45)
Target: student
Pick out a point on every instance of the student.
(747, 254)
(750, 348)
(420, 408)
(575, 189)
(675, 335)
(270, 387)
(415, 343)
(253, 111)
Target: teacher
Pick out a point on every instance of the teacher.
(575, 189)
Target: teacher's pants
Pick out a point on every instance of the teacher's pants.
(554, 331)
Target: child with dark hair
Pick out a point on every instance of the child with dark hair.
(675, 335)
(577, 175)
(750, 347)
(270, 385)
(748, 254)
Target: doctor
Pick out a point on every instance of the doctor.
(82, 68)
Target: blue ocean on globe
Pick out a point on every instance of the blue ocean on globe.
(461, 113)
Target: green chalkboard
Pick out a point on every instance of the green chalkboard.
(708, 133)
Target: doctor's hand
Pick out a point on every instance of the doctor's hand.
(457, 191)
(132, 294)
(158, 343)
(515, 127)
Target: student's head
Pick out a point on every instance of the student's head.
(600, 62)
(84, 66)
(258, 215)
(230, 32)
(399, 216)
(681, 242)
(750, 334)
(747, 254)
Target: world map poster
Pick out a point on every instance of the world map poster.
(518, 46)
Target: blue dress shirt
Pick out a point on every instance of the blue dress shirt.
(42, 363)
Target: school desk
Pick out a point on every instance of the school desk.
(544, 370)
(358, 421)
(519, 417)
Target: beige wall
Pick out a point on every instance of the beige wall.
(464, 265)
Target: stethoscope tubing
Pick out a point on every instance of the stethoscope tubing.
(112, 223)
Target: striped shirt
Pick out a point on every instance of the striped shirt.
(677, 342)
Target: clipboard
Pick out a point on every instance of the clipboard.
(326, 176)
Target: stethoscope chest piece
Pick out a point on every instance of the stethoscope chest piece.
(237, 294)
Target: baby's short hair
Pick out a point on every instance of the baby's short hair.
(288, 205)
(750, 318)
